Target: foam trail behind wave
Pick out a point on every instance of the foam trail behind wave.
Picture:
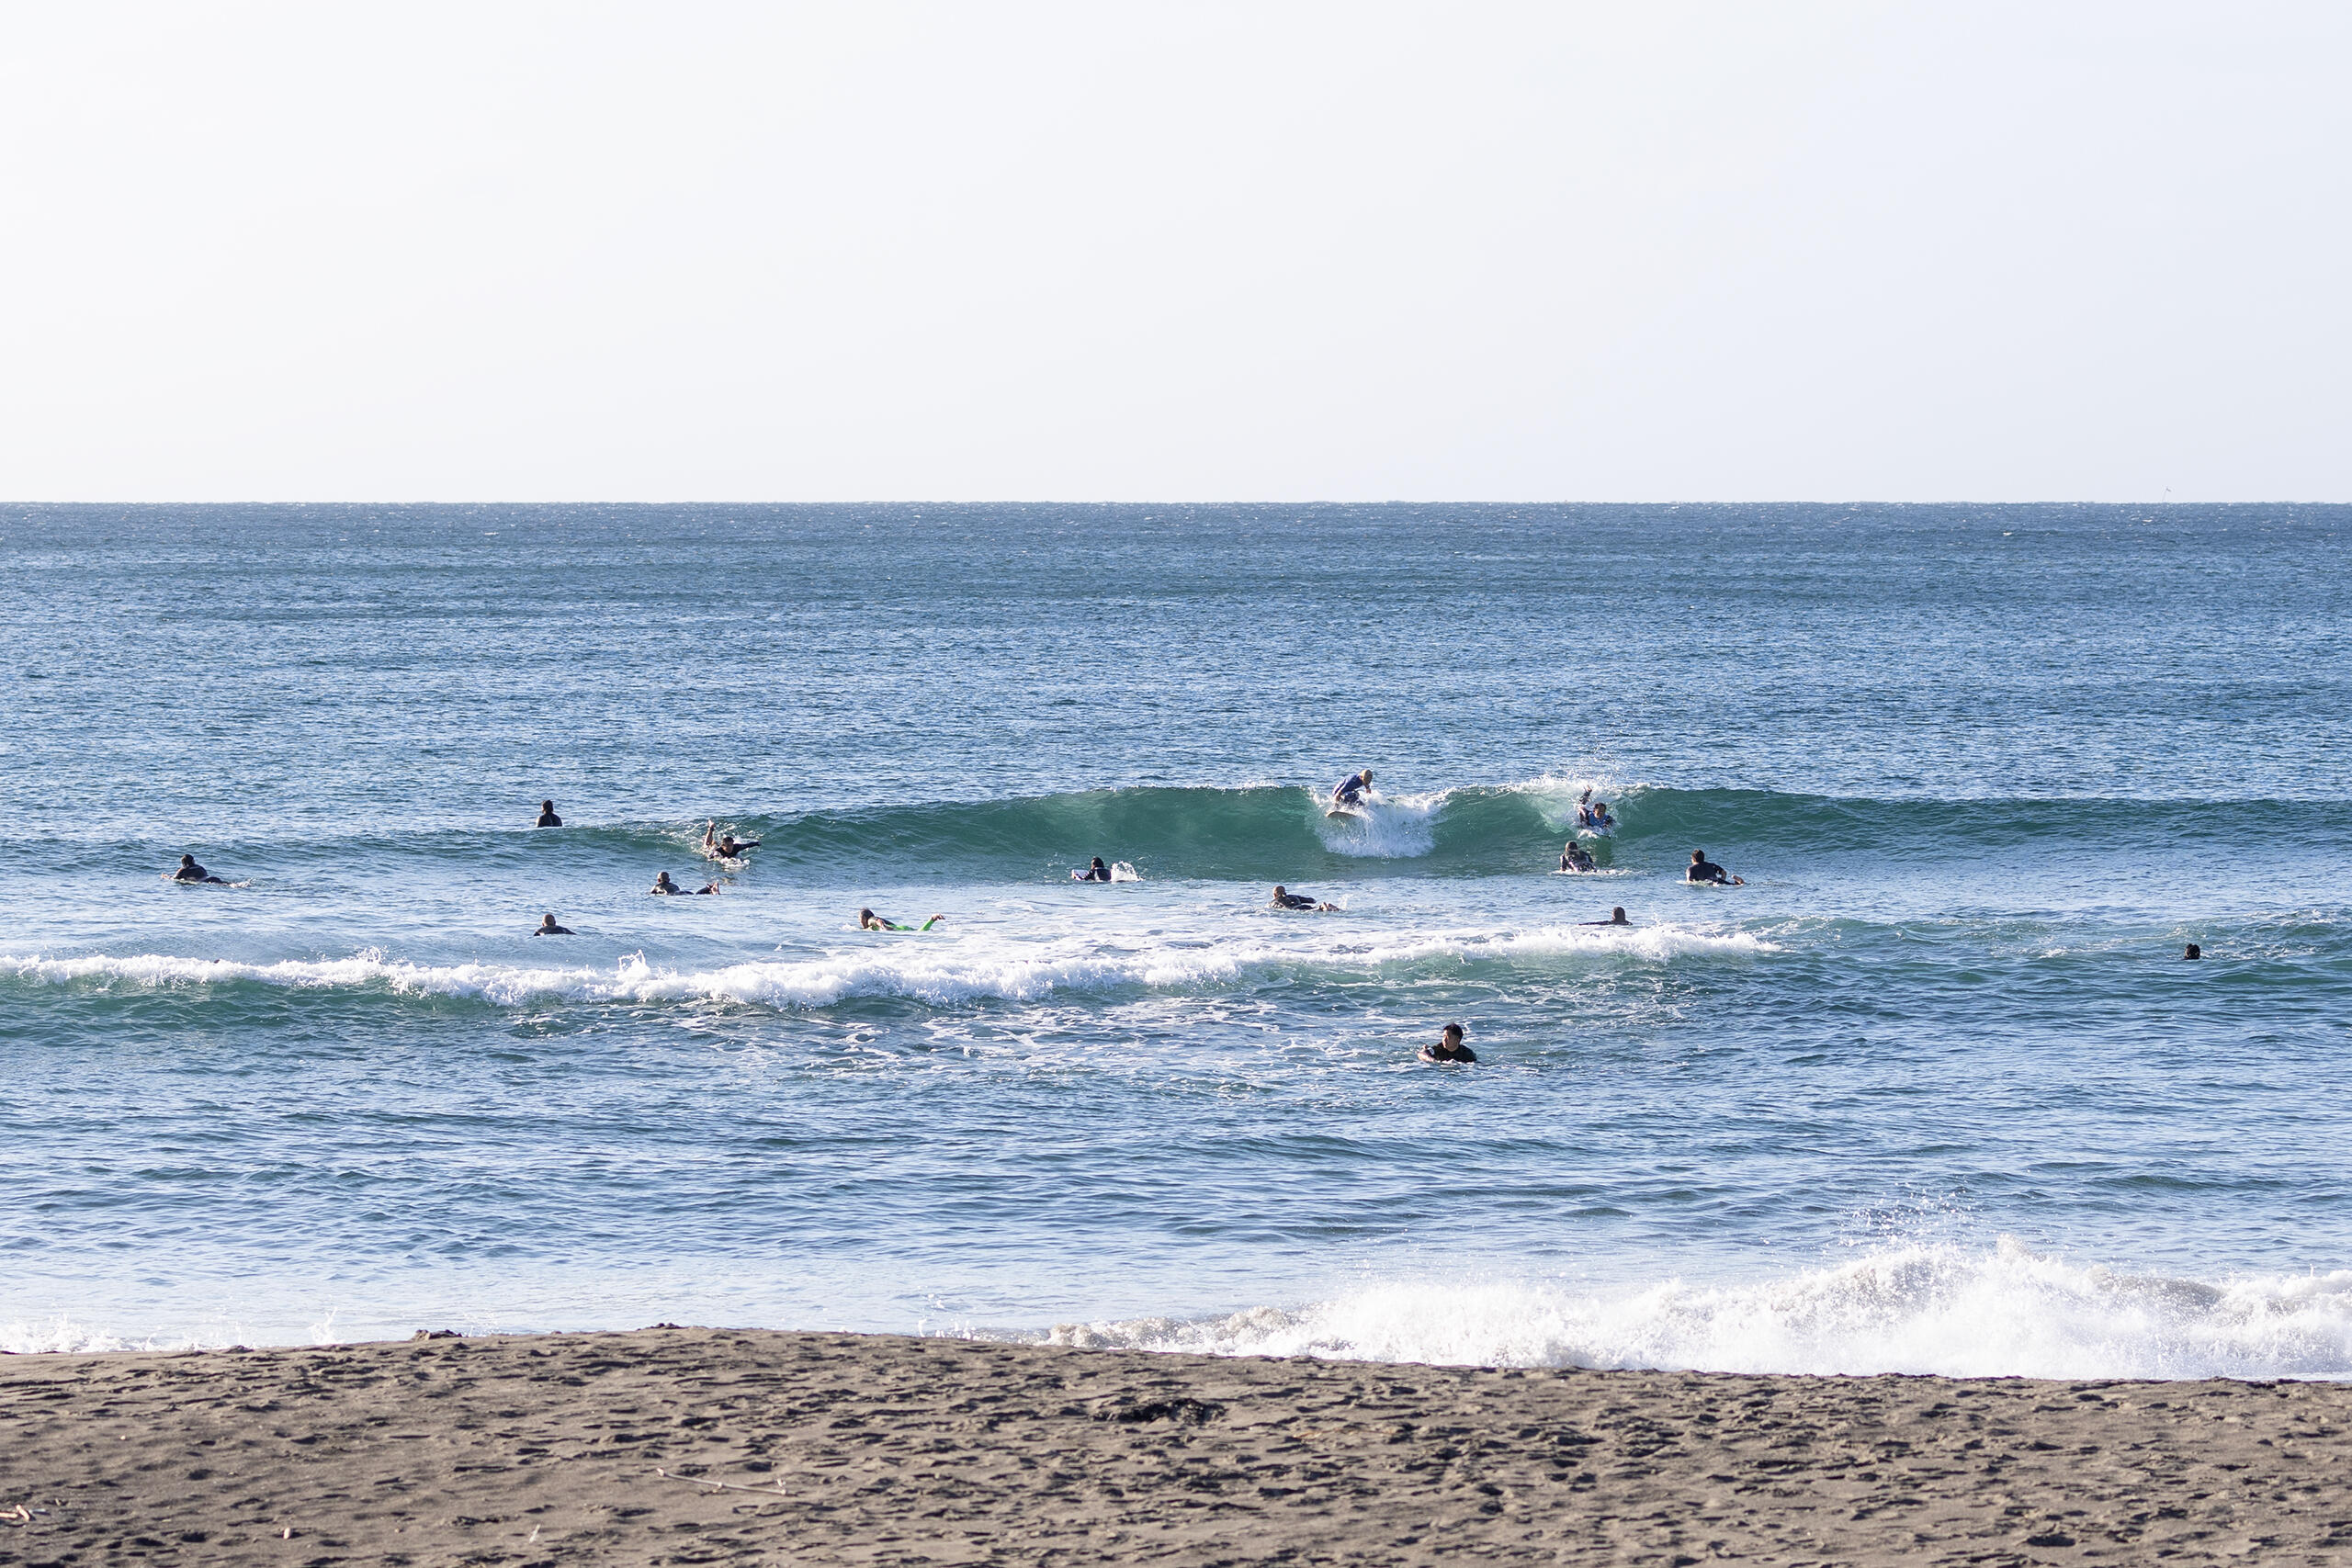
(941, 971)
(2002, 1311)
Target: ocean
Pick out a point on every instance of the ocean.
(1935, 1091)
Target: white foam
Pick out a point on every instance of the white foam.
(1999, 1312)
(938, 969)
(1382, 828)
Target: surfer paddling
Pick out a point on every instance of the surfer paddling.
(1448, 1047)
(1576, 857)
(1616, 917)
(1098, 872)
(549, 928)
(191, 871)
(1285, 899)
(870, 921)
(663, 885)
(1593, 815)
(724, 846)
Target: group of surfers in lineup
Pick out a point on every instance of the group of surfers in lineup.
(1350, 795)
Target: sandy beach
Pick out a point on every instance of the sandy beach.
(600, 1447)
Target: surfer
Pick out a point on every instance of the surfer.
(191, 871)
(1448, 1047)
(723, 846)
(1576, 857)
(661, 884)
(548, 818)
(2192, 951)
(549, 928)
(1704, 870)
(1285, 899)
(1352, 790)
(1616, 917)
(868, 921)
(1098, 872)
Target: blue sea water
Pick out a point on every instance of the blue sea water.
(1933, 1091)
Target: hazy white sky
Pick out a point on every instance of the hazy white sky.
(1188, 250)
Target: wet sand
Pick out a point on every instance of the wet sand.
(573, 1449)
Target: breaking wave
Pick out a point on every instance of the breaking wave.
(1999, 1311)
(942, 970)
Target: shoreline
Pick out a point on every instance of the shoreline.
(840, 1447)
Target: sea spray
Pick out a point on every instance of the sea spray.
(1999, 1311)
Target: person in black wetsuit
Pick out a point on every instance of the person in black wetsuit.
(1616, 917)
(191, 871)
(548, 818)
(1285, 899)
(1576, 857)
(662, 883)
(724, 846)
(549, 928)
(1098, 872)
(1448, 1047)
(1704, 870)
(1351, 791)
(868, 921)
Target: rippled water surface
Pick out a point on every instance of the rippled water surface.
(1934, 1090)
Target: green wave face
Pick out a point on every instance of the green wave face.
(1279, 832)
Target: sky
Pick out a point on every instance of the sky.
(1175, 252)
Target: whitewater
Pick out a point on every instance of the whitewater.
(1935, 1091)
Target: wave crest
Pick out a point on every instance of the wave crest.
(941, 970)
(2000, 1312)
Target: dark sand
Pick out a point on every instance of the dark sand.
(880, 1450)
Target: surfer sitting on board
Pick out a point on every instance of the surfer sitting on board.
(1285, 899)
(1448, 1047)
(724, 846)
(868, 921)
(1576, 857)
(1704, 870)
(191, 871)
(1098, 872)
(1352, 790)
(548, 818)
(661, 884)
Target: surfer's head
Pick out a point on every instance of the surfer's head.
(1698, 856)
(1452, 1036)
(2192, 951)
(1098, 863)
(1280, 890)
(547, 805)
(187, 860)
(1617, 916)
(547, 921)
(660, 879)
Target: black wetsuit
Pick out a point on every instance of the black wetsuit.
(1575, 858)
(1095, 873)
(195, 873)
(1440, 1053)
(548, 820)
(1295, 901)
(1707, 871)
(554, 931)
